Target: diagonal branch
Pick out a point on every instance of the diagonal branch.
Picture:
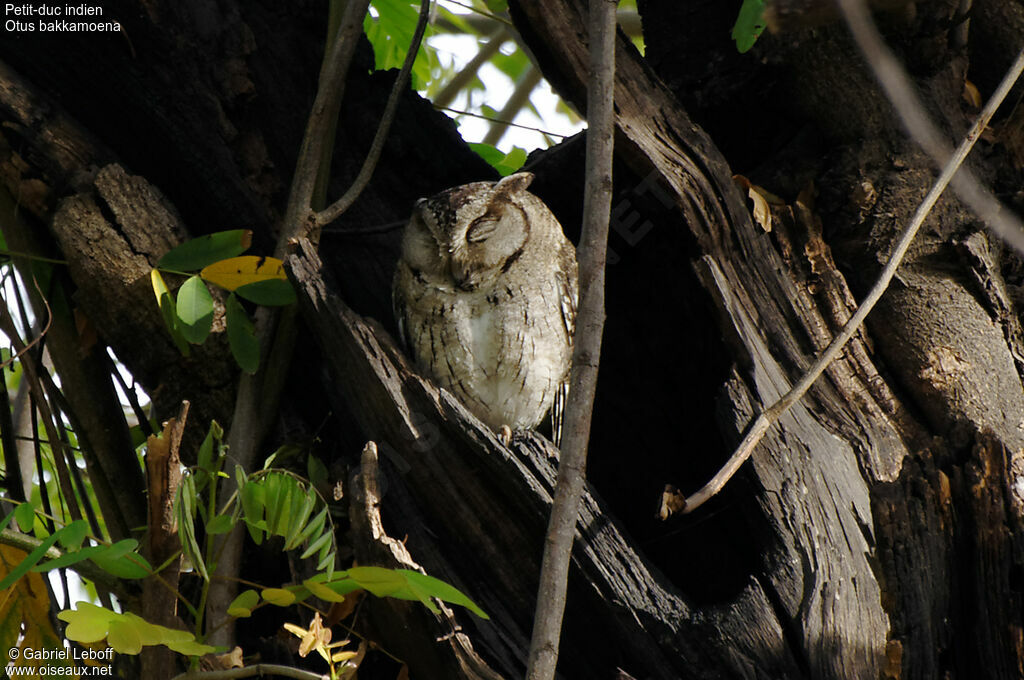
(898, 88)
(772, 414)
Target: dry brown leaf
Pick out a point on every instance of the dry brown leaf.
(971, 94)
(672, 501)
(762, 199)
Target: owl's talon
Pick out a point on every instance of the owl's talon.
(505, 434)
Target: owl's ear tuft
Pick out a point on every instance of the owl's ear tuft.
(514, 184)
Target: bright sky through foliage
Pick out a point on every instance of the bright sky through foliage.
(457, 50)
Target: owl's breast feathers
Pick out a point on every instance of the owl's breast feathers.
(503, 349)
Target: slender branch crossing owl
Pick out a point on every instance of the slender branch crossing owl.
(485, 298)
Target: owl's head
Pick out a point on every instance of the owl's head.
(469, 234)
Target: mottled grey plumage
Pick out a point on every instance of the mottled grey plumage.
(485, 298)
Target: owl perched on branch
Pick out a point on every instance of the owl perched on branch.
(485, 298)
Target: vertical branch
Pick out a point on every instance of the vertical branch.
(592, 254)
(315, 151)
(259, 395)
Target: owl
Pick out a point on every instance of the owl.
(485, 298)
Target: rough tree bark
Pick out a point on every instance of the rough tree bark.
(877, 532)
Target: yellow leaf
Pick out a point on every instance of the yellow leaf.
(239, 271)
(971, 94)
(159, 287)
(278, 596)
(24, 618)
(322, 591)
(350, 666)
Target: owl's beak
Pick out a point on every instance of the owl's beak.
(462, 277)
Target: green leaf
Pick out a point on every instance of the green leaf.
(316, 471)
(314, 527)
(749, 25)
(378, 580)
(184, 506)
(327, 559)
(316, 545)
(391, 33)
(253, 496)
(245, 348)
(322, 591)
(340, 583)
(25, 514)
(6, 520)
(433, 587)
(68, 559)
(299, 592)
(124, 637)
(272, 490)
(86, 623)
(72, 535)
(504, 163)
(205, 458)
(168, 310)
(195, 310)
(200, 252)
(221, 524)
(30, 561)
(121, 560)
(282, 518)
(242, 606)
(304, 508)
(278, 596)
(272, 292)
(191, 648)
(126, 633)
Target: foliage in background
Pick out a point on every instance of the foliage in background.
(270, 503)
(461, 91)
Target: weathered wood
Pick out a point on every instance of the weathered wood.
(454, 657)
(453, 487)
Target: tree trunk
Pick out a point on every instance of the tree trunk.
(878, 530)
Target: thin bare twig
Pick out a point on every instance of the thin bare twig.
(259, 670)
(338, 208)
(772, 414)
(310, 165)
(592, 255)
(42, 334)
(898, 88)
(489, 15)
(504, 122)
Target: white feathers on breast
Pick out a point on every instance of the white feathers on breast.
(485, 298)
